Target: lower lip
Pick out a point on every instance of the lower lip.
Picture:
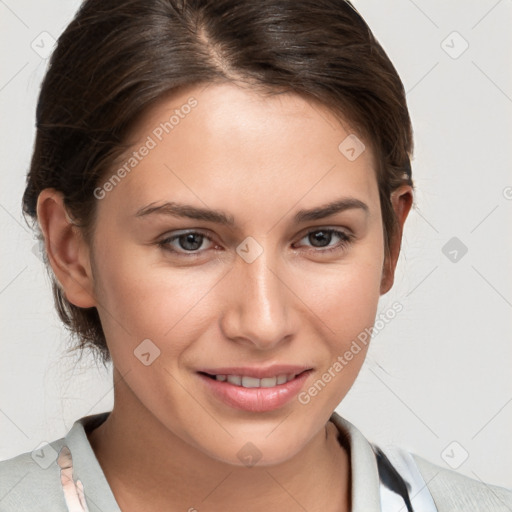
(256, 399)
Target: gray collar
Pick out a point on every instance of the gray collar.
(381, 480)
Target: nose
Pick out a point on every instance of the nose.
(258, 309)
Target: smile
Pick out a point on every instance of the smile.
(252, 382)
(254, 394)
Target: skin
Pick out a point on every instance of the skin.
(259, 159)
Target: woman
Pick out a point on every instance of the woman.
(221, 187)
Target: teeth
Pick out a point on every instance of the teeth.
(235, 379)
(252, 382)
(268, 382)
(281, 379)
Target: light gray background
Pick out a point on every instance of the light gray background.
(440, 372)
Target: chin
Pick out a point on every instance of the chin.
(257, 450)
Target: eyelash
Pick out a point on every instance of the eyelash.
(346, 239)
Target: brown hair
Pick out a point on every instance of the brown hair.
(116, 58)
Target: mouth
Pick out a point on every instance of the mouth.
(254, 394)
(246, 381)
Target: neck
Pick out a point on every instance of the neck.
(134, 450)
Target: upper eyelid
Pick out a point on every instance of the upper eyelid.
(177, 233)
(180, 232)
(303, 230)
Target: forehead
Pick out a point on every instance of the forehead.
(222, 144)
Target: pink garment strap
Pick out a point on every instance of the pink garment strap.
(73, 492)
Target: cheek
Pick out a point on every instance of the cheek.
(140, 300)
(345, 297)
(345, 300)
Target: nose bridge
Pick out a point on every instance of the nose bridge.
(258, 310)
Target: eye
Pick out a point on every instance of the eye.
(191, 243)
(323, 236)
(185, 243)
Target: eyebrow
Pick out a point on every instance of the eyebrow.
(219, 217)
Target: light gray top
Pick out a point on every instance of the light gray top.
(65, 476)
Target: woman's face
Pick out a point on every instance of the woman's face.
(259, 280)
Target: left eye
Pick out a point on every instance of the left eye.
(190, 241)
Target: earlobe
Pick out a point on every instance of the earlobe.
(68, 253)
(401, 200)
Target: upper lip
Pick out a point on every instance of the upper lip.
(257, 372)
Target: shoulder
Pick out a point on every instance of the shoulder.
(452, 491)
(31, 480)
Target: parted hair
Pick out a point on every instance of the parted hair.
(118, 57)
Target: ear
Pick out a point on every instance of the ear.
(401, 200)
(68, 253)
